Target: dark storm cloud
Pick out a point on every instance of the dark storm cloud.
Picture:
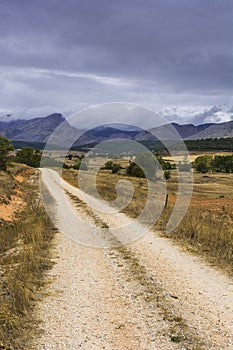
(203, 116)
(158, 47)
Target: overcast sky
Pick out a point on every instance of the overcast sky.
(66, 55)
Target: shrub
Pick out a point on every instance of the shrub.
(108, 165)
(116, 168)
(5, 149)
(135, 170)
(167, 174)
(29, 156)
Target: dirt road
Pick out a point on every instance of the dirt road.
(145, 295)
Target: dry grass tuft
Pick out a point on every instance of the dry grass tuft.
(9, 184)
(205, 232)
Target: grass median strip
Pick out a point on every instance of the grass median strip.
(152, 292)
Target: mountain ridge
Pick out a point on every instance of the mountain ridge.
(40, 129)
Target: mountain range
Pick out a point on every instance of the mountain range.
(40, 129)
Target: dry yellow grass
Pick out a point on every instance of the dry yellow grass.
(24, 258)
(194, 155)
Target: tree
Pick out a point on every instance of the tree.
(185, 165)
(223, 164)
(116, 168)
(69, 156)
(6, 148)
(108, 165)
(167, 174)
(84, 163)
(165, 164)
(203, 164)
(229, 164)
(147, 165)
(76, 166)
(134, 170)
(29, 156)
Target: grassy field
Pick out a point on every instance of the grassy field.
(208, 225)
(25, 243)
(194, 154)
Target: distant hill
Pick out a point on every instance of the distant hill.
(168, 131)
(164, 132)
(38, 130)
(220, 130)
(104, 132)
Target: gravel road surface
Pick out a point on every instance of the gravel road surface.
(149, 294)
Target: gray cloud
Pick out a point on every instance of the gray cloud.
(77, 53)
